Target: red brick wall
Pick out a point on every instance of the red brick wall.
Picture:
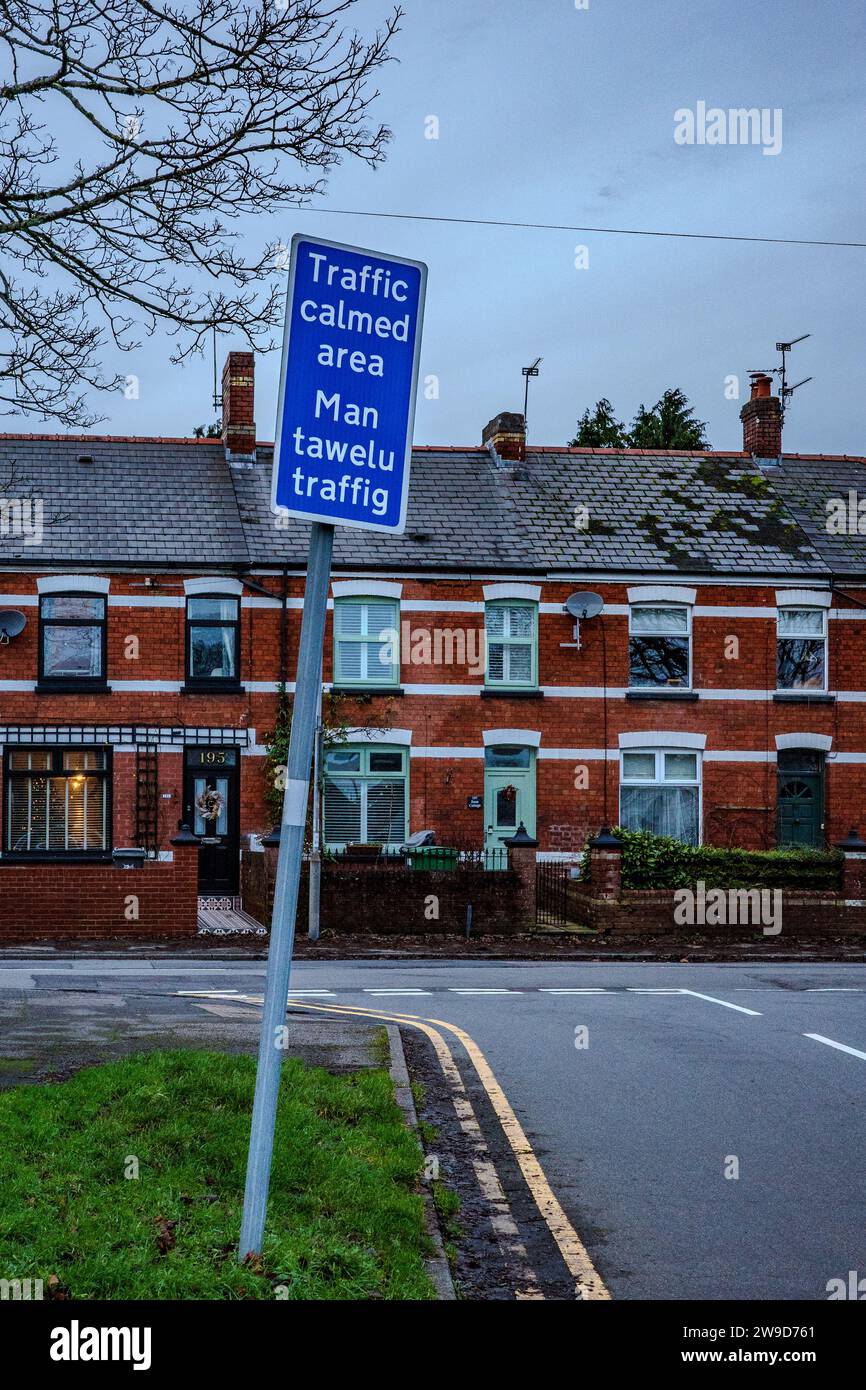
(738, 797)
(396, 901)
(651, 913)
(95, 900)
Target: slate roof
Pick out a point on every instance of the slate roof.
(137, 501)
(156, 502)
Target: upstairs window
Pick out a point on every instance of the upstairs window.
(366, 796)
(57, 801)
(659, 647)
(660, 792)
(366, 642)
(512, 643)
(72, 643)
(801, 649)
(212, 640)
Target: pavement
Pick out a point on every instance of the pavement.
(57, 1018)
(700, 1128)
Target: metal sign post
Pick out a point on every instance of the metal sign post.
(343, 447)
(316, 846)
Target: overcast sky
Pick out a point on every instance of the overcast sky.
(550, 113)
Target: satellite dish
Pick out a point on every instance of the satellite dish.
(11, 623)
(584, 605)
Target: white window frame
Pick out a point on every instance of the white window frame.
(659, 779)
(788, 607)
(662, 603)
(385, 676)
(509, 603)
(364, 776)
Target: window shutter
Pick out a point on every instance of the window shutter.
(520, 663)
(386, 812)
(342, 802)
(359, 625)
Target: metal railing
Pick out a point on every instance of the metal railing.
(424, 859)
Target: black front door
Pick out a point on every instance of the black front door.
(801, 798)
(210, 801)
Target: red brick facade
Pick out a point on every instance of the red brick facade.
(153, 715)
(444, 711)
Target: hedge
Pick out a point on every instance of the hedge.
(655, 861)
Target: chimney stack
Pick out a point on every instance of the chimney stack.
(507, 435)
(762, 420)
(239, 425)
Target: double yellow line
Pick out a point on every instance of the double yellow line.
(588, 1284)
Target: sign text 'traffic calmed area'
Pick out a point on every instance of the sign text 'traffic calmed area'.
(347, 398)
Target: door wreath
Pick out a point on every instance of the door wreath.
(509, 793)
(210, 804)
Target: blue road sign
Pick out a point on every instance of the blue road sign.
(347, 385)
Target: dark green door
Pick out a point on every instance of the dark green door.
(801, 800)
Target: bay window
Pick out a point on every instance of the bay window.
(57, 801)
(659, 647)
(365, 795)
(660, 792)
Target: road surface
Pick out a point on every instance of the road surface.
(703, 1127)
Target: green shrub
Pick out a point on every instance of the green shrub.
(655, 861)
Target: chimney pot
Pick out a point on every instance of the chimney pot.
(762, 420)
(239, 425)
(507, 434)
(762, 385)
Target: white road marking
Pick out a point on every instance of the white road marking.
(207, 993)
(639, 989)
(575, 991)
(841, 1047)
(832, 989)
(397, 993)
(711, 999)
(452, 990)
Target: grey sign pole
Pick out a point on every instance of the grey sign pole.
(305, 716)
(316, 847)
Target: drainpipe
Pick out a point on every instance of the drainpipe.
(842, 594)
(284, 632)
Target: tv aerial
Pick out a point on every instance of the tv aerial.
(528, 372)
(582, 606)
(11, 623)
(786, 391)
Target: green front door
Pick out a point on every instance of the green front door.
(800, 807)
(509, 793)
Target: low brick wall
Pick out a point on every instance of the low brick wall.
(98, 900)
(650, 912)
(390, 901)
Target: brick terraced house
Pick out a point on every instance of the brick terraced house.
(719, 695)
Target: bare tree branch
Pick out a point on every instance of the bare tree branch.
(193, 115)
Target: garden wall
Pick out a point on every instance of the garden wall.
(650, 912)
(385, 900)
(100, 900)
(836, 906)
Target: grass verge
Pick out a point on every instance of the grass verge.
(345, 1219)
